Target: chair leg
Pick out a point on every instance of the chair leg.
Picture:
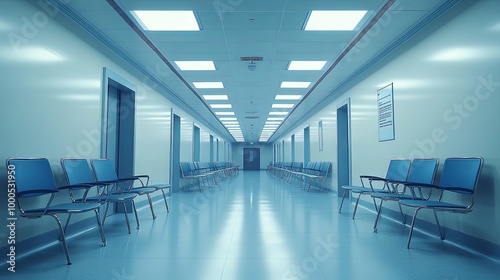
(378, 216)
(67, 223)
(441, 234)
(151, 206)
(103, 237)
(63, 237)
(126, 216)
(411, 228)
(165, 199)
(105, 213)
(135, 211)
(356, 206)
(342, 201)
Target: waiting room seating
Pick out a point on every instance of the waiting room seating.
(35, 185)
(78, 173)
(105, 172)
(422, 171)
(456, 190)
(397, 171)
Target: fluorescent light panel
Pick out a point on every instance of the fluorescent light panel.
(215, 97)
(295, 84)
(282, 106)
(334, 20)
(221, 106)
(288, 97)
(208, 84)
(228, 119)
(278, 113)
(195, 65)
(306, 65)
(224, 113)
(167, 20)
(275, 119)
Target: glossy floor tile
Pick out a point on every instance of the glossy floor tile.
(254, 226)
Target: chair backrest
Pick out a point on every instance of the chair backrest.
(423, 170)
(325, 167)
(33, 176)
(104, 170)
(398, 169)
(461, 172)
(185, 169)
(77, 171)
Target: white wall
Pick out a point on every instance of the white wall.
(51, 100)
(446, 96)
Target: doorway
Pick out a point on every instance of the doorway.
(175, 152)
(251, 158)
(343, 146)
(118, 125)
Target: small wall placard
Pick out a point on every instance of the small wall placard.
(385, 101)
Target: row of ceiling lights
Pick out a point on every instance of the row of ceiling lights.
(161, 20)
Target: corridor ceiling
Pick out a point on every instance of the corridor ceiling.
(252, 44)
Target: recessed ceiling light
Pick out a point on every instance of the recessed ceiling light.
(288, 97)
(224, 113)
(215, 97)
(275, 119)
(208, 84)
(230, 122)
(221, 106)
(228, 119)
(306, 65)
(272, 122)
(282, 105)
(334, 20)
(295, 84)
(278, 113)
(195, 65)
(167, 20)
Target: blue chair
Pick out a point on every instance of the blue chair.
(397, 171)
(319, 175)
(458, 178)
(422, 171)
(78, 173)
(188, 173)
(105, 172)
(34, 181)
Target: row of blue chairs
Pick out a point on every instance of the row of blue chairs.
(313, 173)
(206, 174)
(410, 183)
(88, 188)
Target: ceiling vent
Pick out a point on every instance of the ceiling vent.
(251, 117)
(251, 58)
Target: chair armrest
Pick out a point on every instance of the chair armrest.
(371, 177)
(77, 186)
(422, 185)
(36, 192)
(457, 189)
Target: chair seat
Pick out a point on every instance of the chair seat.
(430, 204)
(160, 186)
(391, 196)
(142, 190)
(66, 208)
(119, 197)
(360, 189)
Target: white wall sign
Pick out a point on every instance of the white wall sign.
(385, 101)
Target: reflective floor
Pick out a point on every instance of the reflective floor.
(254, 226)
